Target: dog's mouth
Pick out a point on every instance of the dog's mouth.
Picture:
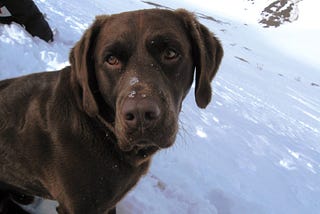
(145, 152)
(140, 152)
(143, 149)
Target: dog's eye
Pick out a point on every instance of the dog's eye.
(170, 54)
(112, 60)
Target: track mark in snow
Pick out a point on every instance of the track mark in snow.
(216, 120)
(287, 164)
(311, 168)
(210, 18)
(247, 49)
(307, 126)
(157, 5)
(308, 104)
(241, 59)
(314, 105)
(309, 114)
(296, 155)
(77, 25)
(201, 133)
(305, 161)
(159, 183)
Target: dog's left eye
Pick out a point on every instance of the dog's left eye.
(112, 60)
(170, 54)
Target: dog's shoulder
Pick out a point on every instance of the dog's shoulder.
(28, 83)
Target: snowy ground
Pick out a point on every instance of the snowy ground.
(255, 149)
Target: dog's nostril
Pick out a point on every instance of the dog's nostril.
(151, 115)
(129, 117)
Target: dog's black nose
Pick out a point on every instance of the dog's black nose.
(142, 112)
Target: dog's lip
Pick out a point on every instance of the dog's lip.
(140, 155)
(142, 148)
(146, 151)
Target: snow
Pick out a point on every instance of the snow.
(255, 149)
(134, 80)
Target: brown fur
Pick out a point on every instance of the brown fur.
(84, 135)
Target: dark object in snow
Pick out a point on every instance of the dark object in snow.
(241, 59)
(159, 6)
(84, 135)
(279, 12)
(27, 14)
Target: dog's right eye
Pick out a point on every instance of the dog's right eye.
(170, 54)
(112, 60)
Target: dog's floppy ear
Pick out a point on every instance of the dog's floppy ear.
(207, 55)
(82, 65)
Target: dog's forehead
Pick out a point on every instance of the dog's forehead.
(143, 22)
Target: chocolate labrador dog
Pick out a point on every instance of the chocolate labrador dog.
(84, 135)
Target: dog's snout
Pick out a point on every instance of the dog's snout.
(140, 112)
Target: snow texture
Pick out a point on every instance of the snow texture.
(255, 149)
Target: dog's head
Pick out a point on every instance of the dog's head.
(141, 65)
